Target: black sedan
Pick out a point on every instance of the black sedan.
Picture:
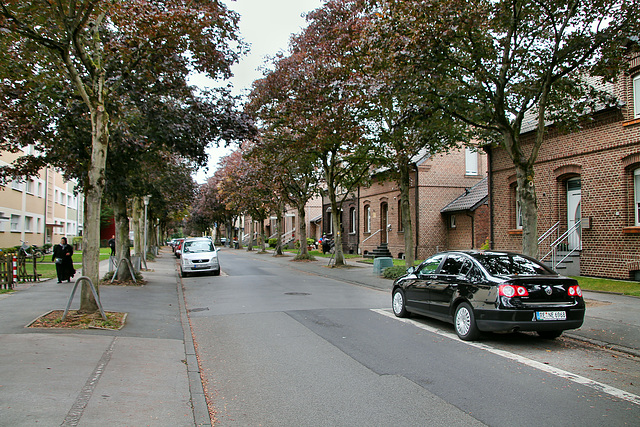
(492, 292)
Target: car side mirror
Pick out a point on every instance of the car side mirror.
(411, 270)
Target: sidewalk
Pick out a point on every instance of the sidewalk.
(143, 375)
(611, 320)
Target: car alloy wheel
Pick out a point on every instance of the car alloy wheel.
(465, 323)
(398, 304)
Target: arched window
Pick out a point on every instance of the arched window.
(636, 96)
(400, 225)
(367, 219)
(636, 197)
(353, 219)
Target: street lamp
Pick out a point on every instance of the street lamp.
(146, 204)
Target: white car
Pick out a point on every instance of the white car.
(199, 255)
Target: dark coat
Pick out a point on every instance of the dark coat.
(64, 269)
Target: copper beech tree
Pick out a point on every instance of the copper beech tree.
(307, 103)
(55, 53)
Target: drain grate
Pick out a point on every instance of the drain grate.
(297, 293)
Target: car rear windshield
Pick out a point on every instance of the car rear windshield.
(510, 264)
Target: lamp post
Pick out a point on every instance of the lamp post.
(146, 204)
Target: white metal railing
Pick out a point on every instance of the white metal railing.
(283, 236)
(572, 234)
(372, 235)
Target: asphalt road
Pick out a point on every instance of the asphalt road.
(279, 347)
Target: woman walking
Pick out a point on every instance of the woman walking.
(62, 256)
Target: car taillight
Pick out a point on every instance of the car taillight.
(511, 291)
(575, 291)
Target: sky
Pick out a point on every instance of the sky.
(267, 26)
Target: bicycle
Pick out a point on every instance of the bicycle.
(30, 251)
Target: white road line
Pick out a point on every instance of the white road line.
(615, 392)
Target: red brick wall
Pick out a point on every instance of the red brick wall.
(603, 154)
(440, 180)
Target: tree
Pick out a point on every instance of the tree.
(310, 95)
(296, 173)
(494, 63)
(406, 123)
(72, 46)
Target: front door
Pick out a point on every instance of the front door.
(384, 214)
(573, 212)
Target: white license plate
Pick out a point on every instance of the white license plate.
(196, 267)
(551, 315)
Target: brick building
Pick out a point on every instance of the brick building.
(589, 179)
(371, 216)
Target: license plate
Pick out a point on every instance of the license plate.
(199, 266)
(551, 315)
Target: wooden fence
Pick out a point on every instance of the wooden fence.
(26, 270)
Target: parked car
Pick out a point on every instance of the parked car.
(199, 255)
(490, 292)
(177, 247)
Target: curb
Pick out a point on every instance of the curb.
(198, 399)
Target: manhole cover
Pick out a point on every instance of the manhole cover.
(296, 293)
(193, 310)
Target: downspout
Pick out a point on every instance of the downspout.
(46, 188)
(358, 223)
(490, 186)
(417, 226)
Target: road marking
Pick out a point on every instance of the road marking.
(615, 392)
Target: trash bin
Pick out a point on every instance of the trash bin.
(379, 264)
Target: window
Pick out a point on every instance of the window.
(636, 96)
(431, 265)
(518, 215)
(352, 215)
(17, 185)
(15, 222)
(471, 161)
(636, 187)
(38, 225)
(400, 224)
(367, 219)
(30, 186)
(452, 221)
(28, 224)
(452, 265)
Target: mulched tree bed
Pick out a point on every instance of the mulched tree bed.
(74, 320)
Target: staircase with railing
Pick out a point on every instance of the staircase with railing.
(561, 251)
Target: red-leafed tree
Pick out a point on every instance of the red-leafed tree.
(53, 53)
(308, 101)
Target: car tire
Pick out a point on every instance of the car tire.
(183, 274)
(549, 335)
(464, 322)
(216, 272)
(398, 303)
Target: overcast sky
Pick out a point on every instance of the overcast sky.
(266, 25)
